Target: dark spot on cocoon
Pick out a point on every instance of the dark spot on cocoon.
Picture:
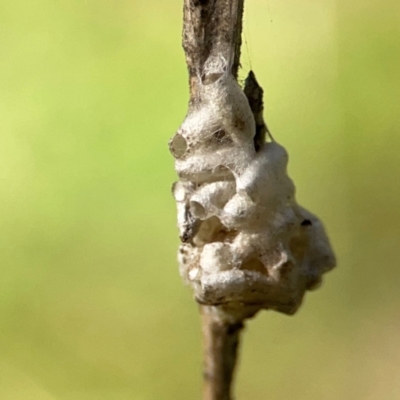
(219, 135)
(306, 222)
(238, 123)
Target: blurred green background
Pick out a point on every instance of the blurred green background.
(91, 303)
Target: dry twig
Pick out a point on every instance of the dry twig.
(246, 243)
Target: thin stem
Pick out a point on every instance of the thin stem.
(224, 257)
(212, 29)
(220, 347)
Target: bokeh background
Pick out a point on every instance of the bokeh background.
(91, 303)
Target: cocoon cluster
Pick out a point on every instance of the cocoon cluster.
(245, 240)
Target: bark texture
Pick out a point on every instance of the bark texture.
(220, 346)
(211, 28)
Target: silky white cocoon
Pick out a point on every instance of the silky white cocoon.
(244, 237)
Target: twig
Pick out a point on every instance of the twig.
(220, 346)
(214, 29)
(246, 243)
(211, 28)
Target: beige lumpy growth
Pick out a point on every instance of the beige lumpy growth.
(245, 240)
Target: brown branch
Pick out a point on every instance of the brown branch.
(220, 346)
(242, 250)
(211, 28)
